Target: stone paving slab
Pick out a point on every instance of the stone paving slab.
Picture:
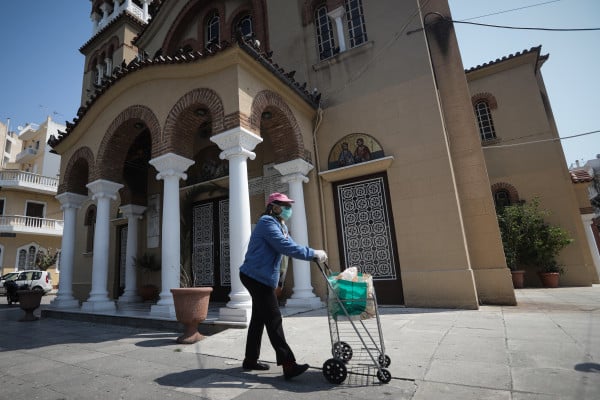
(546, 348)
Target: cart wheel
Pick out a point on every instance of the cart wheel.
(384, 375)
(334, 371)
(343, 351)
(384, 360)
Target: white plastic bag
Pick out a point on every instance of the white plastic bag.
(349, 274)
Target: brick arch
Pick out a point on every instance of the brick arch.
(287, 141)
(258, 10)
(194, 11)
(180, 125)
(116, 141)
(487, 97)
(76, 174)
(513, 194)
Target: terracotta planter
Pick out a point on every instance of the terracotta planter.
(518, 278)
(29, 300)
(549, 279)
(191, 308)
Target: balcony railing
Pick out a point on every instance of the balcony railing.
(25, 180)
(26, 155)
(32, 225)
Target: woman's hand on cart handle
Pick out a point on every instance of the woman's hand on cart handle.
(320, 256)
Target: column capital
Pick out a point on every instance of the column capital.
(102, 188)
(70, 200)
(236, 142)
(337, 13)
(171, 164)
(294, 167)
(132, 211)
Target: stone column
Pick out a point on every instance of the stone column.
(70, 203)
(171, 168)
(337, 16)
(237, 145)
(133, 213)
(95, 17)
(103, 192)
(294, 173)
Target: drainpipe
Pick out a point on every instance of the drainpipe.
(318, 120)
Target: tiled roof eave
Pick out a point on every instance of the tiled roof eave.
(312, 98)
(537, 49)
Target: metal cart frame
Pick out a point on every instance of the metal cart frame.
(356, 337)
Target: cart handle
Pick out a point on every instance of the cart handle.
(325, 270)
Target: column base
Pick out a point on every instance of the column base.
(64, 302)
(95, 306)
(239, 315)
(129, 298)
(310, 302)
(163, 311)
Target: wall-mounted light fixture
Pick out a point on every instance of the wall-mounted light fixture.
(138, 125)
(201, 112)
(266, 115)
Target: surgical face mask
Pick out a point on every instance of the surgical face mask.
(286, 212)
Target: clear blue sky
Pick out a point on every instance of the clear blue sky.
(41, 68)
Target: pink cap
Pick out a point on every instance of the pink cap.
(279, 197)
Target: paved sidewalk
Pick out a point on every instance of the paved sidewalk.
(547, 348)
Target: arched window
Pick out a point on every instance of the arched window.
(502, 198)
(90, 223)
(356, 22)
(325, 43)
(484, 120)
(212, 28)
(26, 257)
(244, 25)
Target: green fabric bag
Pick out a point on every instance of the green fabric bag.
(353, 296)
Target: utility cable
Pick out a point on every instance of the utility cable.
(539, 141)
(523, 27)
(512, 9)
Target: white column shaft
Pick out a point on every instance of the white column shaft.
(101, 248)
(337, 15)
(589, 233)
(239, 234)
(133, 214)
(70, 202)
(170, 271)
(171, 168)
(103, 192)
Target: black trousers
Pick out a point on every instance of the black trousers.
(265, 314)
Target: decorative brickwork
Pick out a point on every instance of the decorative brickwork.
(195, 12)
(281, 126)
(185, 118)
(118, 138)
(512, 192)
(488, 97)
(78, 171)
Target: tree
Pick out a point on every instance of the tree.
(45, 258)
(528, 239)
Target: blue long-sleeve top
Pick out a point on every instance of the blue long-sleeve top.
(268, 242)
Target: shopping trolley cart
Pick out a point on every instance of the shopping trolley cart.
(355, 329)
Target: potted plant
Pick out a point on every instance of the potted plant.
(529, 240)
(147, 264)
(191, 302)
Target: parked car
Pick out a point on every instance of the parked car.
(11, 276)
(31, 279)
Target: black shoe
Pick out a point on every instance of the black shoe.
(294, 370)
(255, 366)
